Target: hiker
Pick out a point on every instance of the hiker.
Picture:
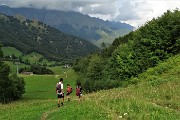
(60, 92)
(79, 91)
(68, 92)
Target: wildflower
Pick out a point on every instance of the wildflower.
(120, 116)
(125, 113)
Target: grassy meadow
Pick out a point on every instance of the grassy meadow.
(155, 95)
(10, 51)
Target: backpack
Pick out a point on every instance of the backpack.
(58, 88)
(69, 89)
(77, 91)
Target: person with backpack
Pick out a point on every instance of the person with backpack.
(68, 92)
(79, 91)
(60, 92)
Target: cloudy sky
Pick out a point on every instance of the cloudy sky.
(134, 12)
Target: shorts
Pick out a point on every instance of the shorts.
(60, 95)
(68, 93)
(80, 95)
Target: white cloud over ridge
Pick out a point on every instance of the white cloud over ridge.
(134, 12)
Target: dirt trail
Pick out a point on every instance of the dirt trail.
(45, 114)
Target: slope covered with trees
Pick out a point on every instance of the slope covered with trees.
(33, 36)
(11, 86)
(132, 54)
(74, 23)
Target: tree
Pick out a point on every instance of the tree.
(132, 54)
(11, 86)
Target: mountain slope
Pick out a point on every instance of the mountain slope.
(155, 97)
(31, 35)
(74, 23)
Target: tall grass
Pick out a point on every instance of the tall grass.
(155, 96)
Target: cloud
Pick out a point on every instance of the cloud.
(138, 12)
(128, 11)
(100, 8)
(134, 12)
(53, 4)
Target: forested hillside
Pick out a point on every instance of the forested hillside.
(34, 36)
(11, 86)
(74, 23)
(132, 54)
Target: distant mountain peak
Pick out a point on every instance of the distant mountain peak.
(34, 36)
(75, 23)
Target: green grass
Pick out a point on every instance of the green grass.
(10, 51)
(155, 96)
(43, 86)
(60, 70)
(39, 98)
(13, 66)
(109, 38)
(75, 111)
(25, 109)
(57, 69)
(33, 57)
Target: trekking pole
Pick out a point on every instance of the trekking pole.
(3, 99)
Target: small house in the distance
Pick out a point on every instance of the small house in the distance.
(67, 66)
(27, 73)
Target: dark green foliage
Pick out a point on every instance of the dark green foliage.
(30, 36)
(95, 67)
(17, 87)
(11, 87)
(150, 44)
(147, 46)
(80, 65)
(134, 53)
(37, 69)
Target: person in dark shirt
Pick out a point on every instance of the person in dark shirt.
(60, 92)
(68, 92)
(79, 91)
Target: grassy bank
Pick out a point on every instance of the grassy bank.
(154, 96)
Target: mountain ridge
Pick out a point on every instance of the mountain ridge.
(31, 35)
(72, 22)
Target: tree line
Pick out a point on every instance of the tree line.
(11, 86)
(131, 54)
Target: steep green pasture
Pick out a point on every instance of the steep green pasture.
(35, 57)
(10, 51)
(60, 70)
(43, 86)
(13, 66)
(40, 96)
(155, 95)
(109, 38)
(57, 69)
(32, 57)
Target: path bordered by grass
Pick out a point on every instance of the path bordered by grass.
(155, 97)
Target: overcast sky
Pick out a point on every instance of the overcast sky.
(134, 12)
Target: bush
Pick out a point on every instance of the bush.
(11, 87)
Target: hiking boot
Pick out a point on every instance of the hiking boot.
(61, 104)
(58, 105)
